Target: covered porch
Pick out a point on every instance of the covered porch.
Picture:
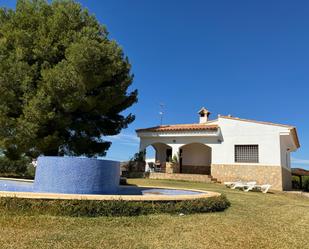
(191, 158)
(183, 148)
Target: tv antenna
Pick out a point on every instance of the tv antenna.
(161, 113)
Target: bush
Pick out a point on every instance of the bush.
(14, 167)
(295, 182)
(306, 184)
(30, 173)
(93, 208)
(136, 163)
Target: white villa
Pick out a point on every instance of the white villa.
(227, 148)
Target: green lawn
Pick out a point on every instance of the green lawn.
(254, 220)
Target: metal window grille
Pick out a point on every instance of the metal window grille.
(246, 153)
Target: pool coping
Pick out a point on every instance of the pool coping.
(51, 196)
(16, 179)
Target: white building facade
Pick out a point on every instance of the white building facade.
(226, 148)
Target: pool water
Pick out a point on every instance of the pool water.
(27, 186)
(16, 186)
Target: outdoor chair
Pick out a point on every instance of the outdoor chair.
(151, 166)
(157, 166)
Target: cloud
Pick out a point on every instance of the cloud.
(300, 161)
(123, 138)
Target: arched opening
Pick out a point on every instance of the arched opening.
(157, 154)
(195, 158)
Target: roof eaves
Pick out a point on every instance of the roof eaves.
(295, 137)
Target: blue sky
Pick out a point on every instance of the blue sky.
(245, 58)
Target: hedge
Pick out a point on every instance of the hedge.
(93, 208)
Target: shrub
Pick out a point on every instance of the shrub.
(14, 167)
(306, 184)
(137, 162)
(295, 182)
(30, 173)
(92, 208)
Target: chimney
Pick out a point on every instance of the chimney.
(204, 114)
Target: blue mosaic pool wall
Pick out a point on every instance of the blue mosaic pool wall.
(73, 175)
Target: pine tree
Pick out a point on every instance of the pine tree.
(63, 82)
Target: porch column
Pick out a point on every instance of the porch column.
(175, 152)
(142, 146)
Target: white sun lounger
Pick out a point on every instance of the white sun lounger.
(244, 185)
(248, 186)
(230, 184)
(264, 188)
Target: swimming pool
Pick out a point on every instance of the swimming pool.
(88, 178)
(28, 186)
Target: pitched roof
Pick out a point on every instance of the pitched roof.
(300, 172)
(180, 127)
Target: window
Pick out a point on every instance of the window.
(246, 153)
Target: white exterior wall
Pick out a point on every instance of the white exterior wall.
(235, 132)
(176, 141)
(273, 141)
(196, 154)
(286, 145)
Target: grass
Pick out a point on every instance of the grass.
(254, 220)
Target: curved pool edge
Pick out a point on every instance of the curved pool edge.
(51, 196)
(16, 179)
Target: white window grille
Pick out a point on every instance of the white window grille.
(247, 153)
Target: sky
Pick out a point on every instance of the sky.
(249, 59)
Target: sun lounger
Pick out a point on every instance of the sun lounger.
(264, 188)
(248, 186)
(230, 184)
(243, 185)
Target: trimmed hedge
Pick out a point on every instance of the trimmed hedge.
(92, 208)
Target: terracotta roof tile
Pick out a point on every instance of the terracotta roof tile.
(180, 127)
(300, 172)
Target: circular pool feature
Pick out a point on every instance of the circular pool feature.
(89, 179)
(24, 189)
(74, 175)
